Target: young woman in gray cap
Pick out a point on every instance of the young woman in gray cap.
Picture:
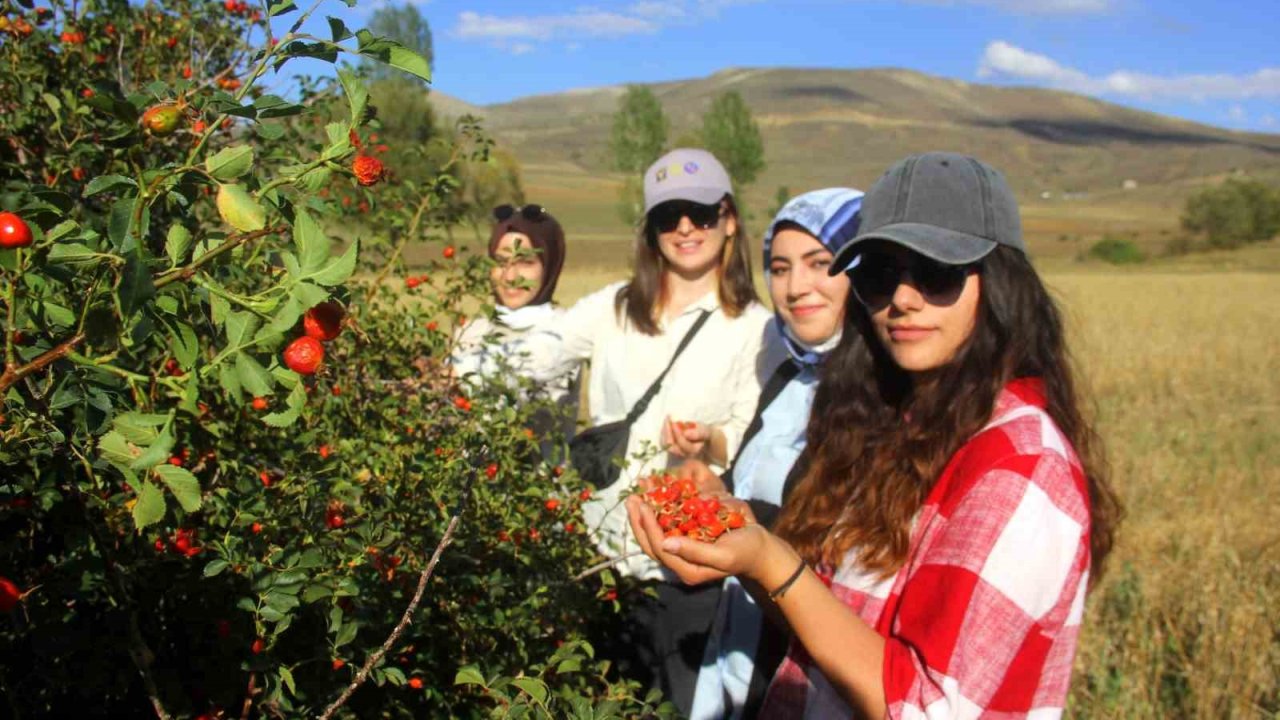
(691, 281)
(934, 560)
(743, 649)
(527, 246)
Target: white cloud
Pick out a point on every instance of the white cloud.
(1268, 121)
(517, 34)
(583, 23)
(1051, 7)
(1003, 60)
(1237, 113)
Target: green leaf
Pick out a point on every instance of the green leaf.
(139, 428)
(308, 295)
(239, 209)
(230, 381)
(346, 634)
(287, 678)
(156, 453)
(274, 106)
(230, 162)
(61, 229)
(337, 272)
(177, 244)
(535, 687)
(357, 94)
(312, 244)
(185, 346)
(338, 29)
(240, 328)
(55, 314)
(253, 377)
(136, 286)
(73, 254)
(104, 183)
(395, 675)
(116, 449)
(394, 54)
(294, 404)
(470, 675)
(149, 508)
(280, 7)
(184, 486)
(215, 567)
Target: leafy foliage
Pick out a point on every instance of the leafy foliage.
(638, 137)
(732, 135)
(196, 526)
(1235, 213)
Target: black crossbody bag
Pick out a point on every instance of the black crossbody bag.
(592, 451)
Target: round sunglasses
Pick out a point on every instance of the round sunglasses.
(532, 213)
(875, 277)
(665, 218)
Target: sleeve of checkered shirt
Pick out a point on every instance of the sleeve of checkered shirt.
(988, 618)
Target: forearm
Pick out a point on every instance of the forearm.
(848, 651)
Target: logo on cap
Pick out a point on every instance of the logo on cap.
(690, 168)
(661, 175)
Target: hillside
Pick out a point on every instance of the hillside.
(824, 127)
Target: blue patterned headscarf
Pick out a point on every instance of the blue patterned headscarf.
(830, 215)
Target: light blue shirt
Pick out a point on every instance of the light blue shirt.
(760, 473)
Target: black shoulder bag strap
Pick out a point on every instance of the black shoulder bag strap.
(783, 374)
(643, 403)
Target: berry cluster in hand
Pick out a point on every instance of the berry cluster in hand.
(683, 513)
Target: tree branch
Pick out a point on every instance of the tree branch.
(14, 374)
(407, 617)
(188, 271)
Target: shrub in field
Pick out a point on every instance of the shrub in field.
(1117, 251)
(236, 478)
(1235, 213)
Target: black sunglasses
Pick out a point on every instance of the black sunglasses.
(665, 218)
(877, 275)
(532, 213)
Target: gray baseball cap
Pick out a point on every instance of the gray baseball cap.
(685, 174)
(946, 206)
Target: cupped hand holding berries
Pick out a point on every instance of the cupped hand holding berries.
(738, 552)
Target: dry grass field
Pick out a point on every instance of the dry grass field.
(1183, 361)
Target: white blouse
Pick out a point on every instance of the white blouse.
(714, 382)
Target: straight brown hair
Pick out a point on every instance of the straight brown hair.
(641, 301)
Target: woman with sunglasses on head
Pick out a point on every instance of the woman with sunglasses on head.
(528, 249)
(691, 286)
(743, 649)
(934, 560)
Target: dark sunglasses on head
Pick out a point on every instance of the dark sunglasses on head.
(876, 276)
(532, 213)
(665, 218)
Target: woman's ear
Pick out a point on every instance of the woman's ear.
(731, 225)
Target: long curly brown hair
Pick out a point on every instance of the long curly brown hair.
(876, 444)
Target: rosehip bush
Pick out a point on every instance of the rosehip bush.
(236, 475)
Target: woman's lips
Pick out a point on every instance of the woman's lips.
(806, 310)
(688, 247)
(909, 333)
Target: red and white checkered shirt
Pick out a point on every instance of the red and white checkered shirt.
(982, 619)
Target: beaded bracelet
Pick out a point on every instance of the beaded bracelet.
(782, 589)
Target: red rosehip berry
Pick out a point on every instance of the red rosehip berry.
(257, 646)
(492, 471)
(448, 252)
(552, 504)
(304, 355)
(367, 169)
(14, 233)
(260, 403)
(324, 321)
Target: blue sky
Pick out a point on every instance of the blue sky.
(1211, 61)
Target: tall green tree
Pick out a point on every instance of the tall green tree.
(639, 137)
(732, 135)
(406, 25)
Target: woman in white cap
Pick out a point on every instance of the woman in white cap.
(674, 355)
(743, 649)
(934, 560)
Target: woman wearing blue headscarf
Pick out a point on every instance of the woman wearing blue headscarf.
(744, 647)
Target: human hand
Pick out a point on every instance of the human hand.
(685, 439)
(734, 553)
(705, 479)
